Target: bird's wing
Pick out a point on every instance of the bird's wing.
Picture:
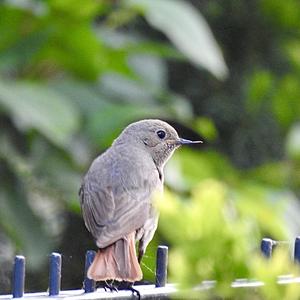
(97, 205)
(110, 214)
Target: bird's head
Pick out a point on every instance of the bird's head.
(156, 137)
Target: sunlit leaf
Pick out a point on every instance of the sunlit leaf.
(285, 104)
(187, 29)
(283, 14)
(293, 51)
(293, 142)
(260, 89)
(77, 9)
(217, 235)
(206, 128)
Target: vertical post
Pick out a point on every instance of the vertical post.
(54, 274)
(161, 266)
(297, 250)
(266, 247)
(18, 276)
(88, 284)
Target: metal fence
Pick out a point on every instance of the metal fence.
(159, 290)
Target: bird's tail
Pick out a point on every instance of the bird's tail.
(117, 261)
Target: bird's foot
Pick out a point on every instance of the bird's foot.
(109, 287)
(125, 285)
(135, 292)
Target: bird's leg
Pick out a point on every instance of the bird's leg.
(140, 255)
(141, 251)
(126, 285)
(109, 287)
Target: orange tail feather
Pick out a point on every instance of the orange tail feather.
(117, 261)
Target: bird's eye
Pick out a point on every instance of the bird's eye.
(161, 134)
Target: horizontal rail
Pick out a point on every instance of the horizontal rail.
(148, 291)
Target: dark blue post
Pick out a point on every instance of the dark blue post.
(18, 276)
(266, 247)
(54, 274)
(161, 266)
(297, 250)
(88, 284)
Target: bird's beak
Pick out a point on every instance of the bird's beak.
(181, 141)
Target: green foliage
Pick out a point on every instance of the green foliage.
(282, 13)
(214, 239)
(268, 272)
(69, 83)
(220, 223)
(74, 73)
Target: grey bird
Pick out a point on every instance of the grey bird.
(116, 197)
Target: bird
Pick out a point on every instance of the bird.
(116, 197)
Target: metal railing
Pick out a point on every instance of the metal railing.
(159, 290)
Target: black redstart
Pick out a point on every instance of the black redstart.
(116, 193)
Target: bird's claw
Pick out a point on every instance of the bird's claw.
(135, 292)
(109, 287)
(129, 287)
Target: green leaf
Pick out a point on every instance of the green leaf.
(23, 51)
(188, 31)
(34, 106)
(80, 52)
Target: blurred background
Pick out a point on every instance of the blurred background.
(74, 73)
